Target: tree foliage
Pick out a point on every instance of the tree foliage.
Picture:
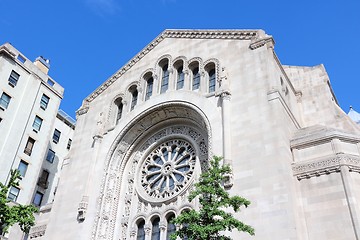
(212, 219)
(9, 215)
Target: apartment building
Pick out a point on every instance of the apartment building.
(34, 135)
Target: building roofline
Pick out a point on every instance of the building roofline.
(232, 34)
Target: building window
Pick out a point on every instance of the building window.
(13, 193)
(155, 232)
(180, 78)
(212, 80)
(196, 78)
(120, 106)
(171, 228)
(50, 82)
(69, 144)
(56, 136)
(29, 146)
(134, 97)
(50, 156)
(4, 101)
(38, 199)
(165, 79)
(43, 179)
(22, 168)
(141, 230)
(149, 87)
(13, 79)
(37, 123)
(44, 101)
(21, 58)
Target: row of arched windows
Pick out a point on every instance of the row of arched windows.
(178, 77)
(155, 228)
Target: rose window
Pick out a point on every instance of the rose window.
(168, 169)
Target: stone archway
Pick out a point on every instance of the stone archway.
(120, 199)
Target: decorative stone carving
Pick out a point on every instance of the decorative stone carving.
(82, 208)
(328, 165)
(168, 169)
(126, 146)
(37, 231)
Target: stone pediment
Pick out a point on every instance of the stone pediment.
(258, 38)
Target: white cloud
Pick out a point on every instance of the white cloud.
(103, 7)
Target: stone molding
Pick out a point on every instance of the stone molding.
(262, 42)
(37, 231)
(325, 166)
(189, 34)
(123, 152)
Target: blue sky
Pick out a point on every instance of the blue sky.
(88, 40)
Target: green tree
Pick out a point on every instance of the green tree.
(212, 219)
(9, 215)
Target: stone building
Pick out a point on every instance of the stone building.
(144, 136)
(33, 133)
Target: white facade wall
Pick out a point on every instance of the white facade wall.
(17, 121)
(294, 153)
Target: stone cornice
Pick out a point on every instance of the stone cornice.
(187, 34)
(5, 51)
(328, 165)
(322, 136)
(262, 42)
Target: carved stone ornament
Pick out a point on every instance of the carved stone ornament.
(127, 156)
(318, 167)
(168, 169)
(37, 231)
(191, 34)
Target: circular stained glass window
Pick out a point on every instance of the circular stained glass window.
(167, 169)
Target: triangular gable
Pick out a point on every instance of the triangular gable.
(258, 37)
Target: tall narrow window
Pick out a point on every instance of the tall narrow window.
(56, 136)
(43, 179)
(149, 88)
(141, 230)
(212, 80)
(165, 79)
(22, 168)
(29, 146)
(155, 232)
(13, 79)
(119, 109)
(13, 193)
(134, 98)
(50, 156)
(180, 78)
(44, 101)
(4, 101)
(37, 123)
(170, 226)
(38, 198)
(69, 144)
(196, 78)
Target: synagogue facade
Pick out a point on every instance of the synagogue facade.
(145, 135)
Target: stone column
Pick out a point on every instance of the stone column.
(226, 131)
(96, 146)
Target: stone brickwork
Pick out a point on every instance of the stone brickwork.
(294, 152)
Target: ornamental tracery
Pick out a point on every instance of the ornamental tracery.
(168, 169)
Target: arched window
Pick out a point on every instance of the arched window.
(180, 78)
(134, 97)
(171, 228)
(212, 80)
(196, 78)
(119, 109)
(155, 232)
(149, 87)
(140, 230)
(165, 78)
